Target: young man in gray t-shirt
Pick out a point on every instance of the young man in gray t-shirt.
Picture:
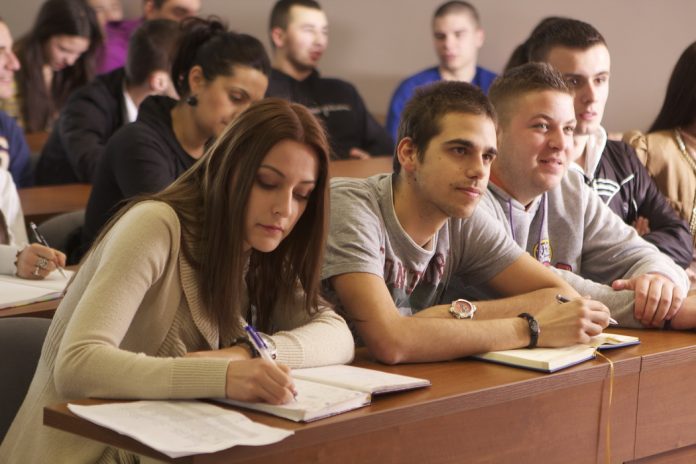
(396, 240)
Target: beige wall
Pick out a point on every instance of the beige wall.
(374, 44)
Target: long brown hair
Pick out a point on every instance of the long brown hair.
(211, 199)
(56, 17)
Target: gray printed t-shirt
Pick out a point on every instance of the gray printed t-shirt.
(366, 236)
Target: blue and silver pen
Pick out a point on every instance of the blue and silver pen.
(563, 299)
(260, 345)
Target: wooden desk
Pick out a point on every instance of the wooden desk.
(474, 412)
(360, 168)
(43, 309)
(40, 203)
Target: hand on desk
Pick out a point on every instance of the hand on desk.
(37, 261)
(571, 323)
(657, 298)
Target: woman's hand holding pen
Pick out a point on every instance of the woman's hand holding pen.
(259, 380)
(37, 261)
(572, 322)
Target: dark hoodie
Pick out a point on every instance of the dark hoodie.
(86, 122)
(142, 157)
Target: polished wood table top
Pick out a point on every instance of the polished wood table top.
(474, 410)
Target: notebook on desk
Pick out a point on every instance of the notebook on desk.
(330, 390)
(554, 359)
(15, 291)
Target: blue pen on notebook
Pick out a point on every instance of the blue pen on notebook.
(563, 299)
(39, 238)
(260, 345)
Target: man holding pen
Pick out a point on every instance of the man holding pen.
(551, 213)
(396, 240)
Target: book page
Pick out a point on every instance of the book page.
(358, 378)
(180, 428)
(613, 340)
(53, 281)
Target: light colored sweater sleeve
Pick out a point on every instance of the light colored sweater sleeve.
(11, 209)
(613, 249)
(317, 340)
(117, 282)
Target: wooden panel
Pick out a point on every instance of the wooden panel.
(40, 203)
(360, 168)
(680, 456)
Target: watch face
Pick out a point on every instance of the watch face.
(534, 326)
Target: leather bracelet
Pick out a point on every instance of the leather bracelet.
(533, 329)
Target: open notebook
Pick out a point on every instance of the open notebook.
(330, 390)
(15, 291)
(554, 359)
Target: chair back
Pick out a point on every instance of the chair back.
(21, 339)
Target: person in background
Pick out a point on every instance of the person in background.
(668, 150)
(14, 151)
(299, 35)
(611, 168)
(156, 310)
(457, 36)
(217, 74)
(94, 112)
(118, 32)
(56, 57)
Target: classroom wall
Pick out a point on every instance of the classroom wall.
(374, 44)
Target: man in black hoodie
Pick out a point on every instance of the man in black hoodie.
(299, 36)
(96, 111)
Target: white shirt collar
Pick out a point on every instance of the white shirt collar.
(131, 109)
(596, 143)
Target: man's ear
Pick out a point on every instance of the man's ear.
(479, 36)
(407, 152)
(158, 82)
(278, 37)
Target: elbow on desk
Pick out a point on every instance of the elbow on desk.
(388, 351)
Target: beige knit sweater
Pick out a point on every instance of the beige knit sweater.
(128, 318)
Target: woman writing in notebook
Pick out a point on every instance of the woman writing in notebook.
(157, 306)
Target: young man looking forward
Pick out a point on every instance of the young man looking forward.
(299, 35)
(396, 240)
(457, 38)
(611, 168)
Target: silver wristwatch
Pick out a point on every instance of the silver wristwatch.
(462, 309)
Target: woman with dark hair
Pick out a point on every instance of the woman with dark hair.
(217, 75)
(56, 57)
(157, 309)
(669, 148)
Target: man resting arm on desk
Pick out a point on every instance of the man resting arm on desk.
(16, 257)
(395, 241)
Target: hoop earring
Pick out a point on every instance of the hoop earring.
(192, 100)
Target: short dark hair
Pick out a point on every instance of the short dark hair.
(679, 106)
(530, 77)
(281, 12)
(150, 49)
(207, 43)
(520, 55)
(563, 32)
(457, 6)
(420, 120)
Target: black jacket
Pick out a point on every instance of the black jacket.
(339, 105)
(627, 188)
(142, 157)
(86, 122)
